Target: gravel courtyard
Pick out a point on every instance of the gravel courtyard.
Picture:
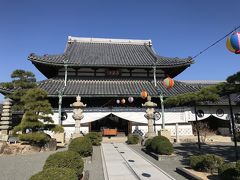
(21, 167)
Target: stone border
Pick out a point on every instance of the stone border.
(161, 157)
(184, 172)
(85, 175)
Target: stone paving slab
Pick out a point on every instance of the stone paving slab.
(116, 167)
(123, 163)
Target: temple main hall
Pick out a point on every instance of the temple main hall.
(109, 75)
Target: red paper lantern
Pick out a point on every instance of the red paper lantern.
(144, 94)
(168, 83)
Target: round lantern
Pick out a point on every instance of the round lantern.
(123, 101)
(130, 99)
(117, 101)
(233, 43)
(168, 82)
(144, 94)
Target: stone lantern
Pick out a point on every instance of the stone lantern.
(77, 115)
(150, 116)
(6, 119)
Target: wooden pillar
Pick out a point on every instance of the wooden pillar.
(129, 127)
(89, 127)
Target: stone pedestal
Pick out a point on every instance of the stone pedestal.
(150, 117)
(6, 119)
(166, 133)
(77, 129)
(77, 116)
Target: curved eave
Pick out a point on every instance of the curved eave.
(173, 72)
(48, 70)
(176, 65)
(44, 61)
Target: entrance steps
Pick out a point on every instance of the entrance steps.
(115, 139)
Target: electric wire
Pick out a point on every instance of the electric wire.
(201, 52)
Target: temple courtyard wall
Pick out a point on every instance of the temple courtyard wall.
(177, 120)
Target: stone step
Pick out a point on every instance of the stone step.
(115, 139)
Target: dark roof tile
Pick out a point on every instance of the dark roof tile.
(82, 53)
(111, 87)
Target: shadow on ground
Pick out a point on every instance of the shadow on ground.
(227, 151)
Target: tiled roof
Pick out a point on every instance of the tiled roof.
(166, 61)
(111, 53)
(111, 87)
(50, 59)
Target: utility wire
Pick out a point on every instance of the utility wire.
(215, 42)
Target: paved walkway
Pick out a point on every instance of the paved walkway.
(95, 165)
(168, 165)
(121, 162)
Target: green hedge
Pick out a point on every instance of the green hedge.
(38, 138)
(57, 129)
(206, 163)
(196, 162)
(147, 144)
(65, 159)
(133, 139)
(161, 145)
(95, 138)
(55, 174)
(81, 145)
(229, 171)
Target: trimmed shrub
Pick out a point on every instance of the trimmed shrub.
(227, 171)
(211, 163)
(196, 162)
(55, 174)
(238, 164)
(82, 146)
(95, 138)
(161, 145)
(65, 159)
(36, 138)
(58, 129)
(133, 139)
(206, 163)
(147, 144)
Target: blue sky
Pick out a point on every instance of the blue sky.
(177, 29)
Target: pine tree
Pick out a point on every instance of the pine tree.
(210, 93)
(36, 111)
(21, 82)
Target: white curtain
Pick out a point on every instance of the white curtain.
(93, 116)
(132, 116)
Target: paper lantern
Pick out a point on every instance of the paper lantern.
(229, 46)
(117, 101)
(144, 94)
(123, 101)
(130, 99)
(233, 43)
(168, 83)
